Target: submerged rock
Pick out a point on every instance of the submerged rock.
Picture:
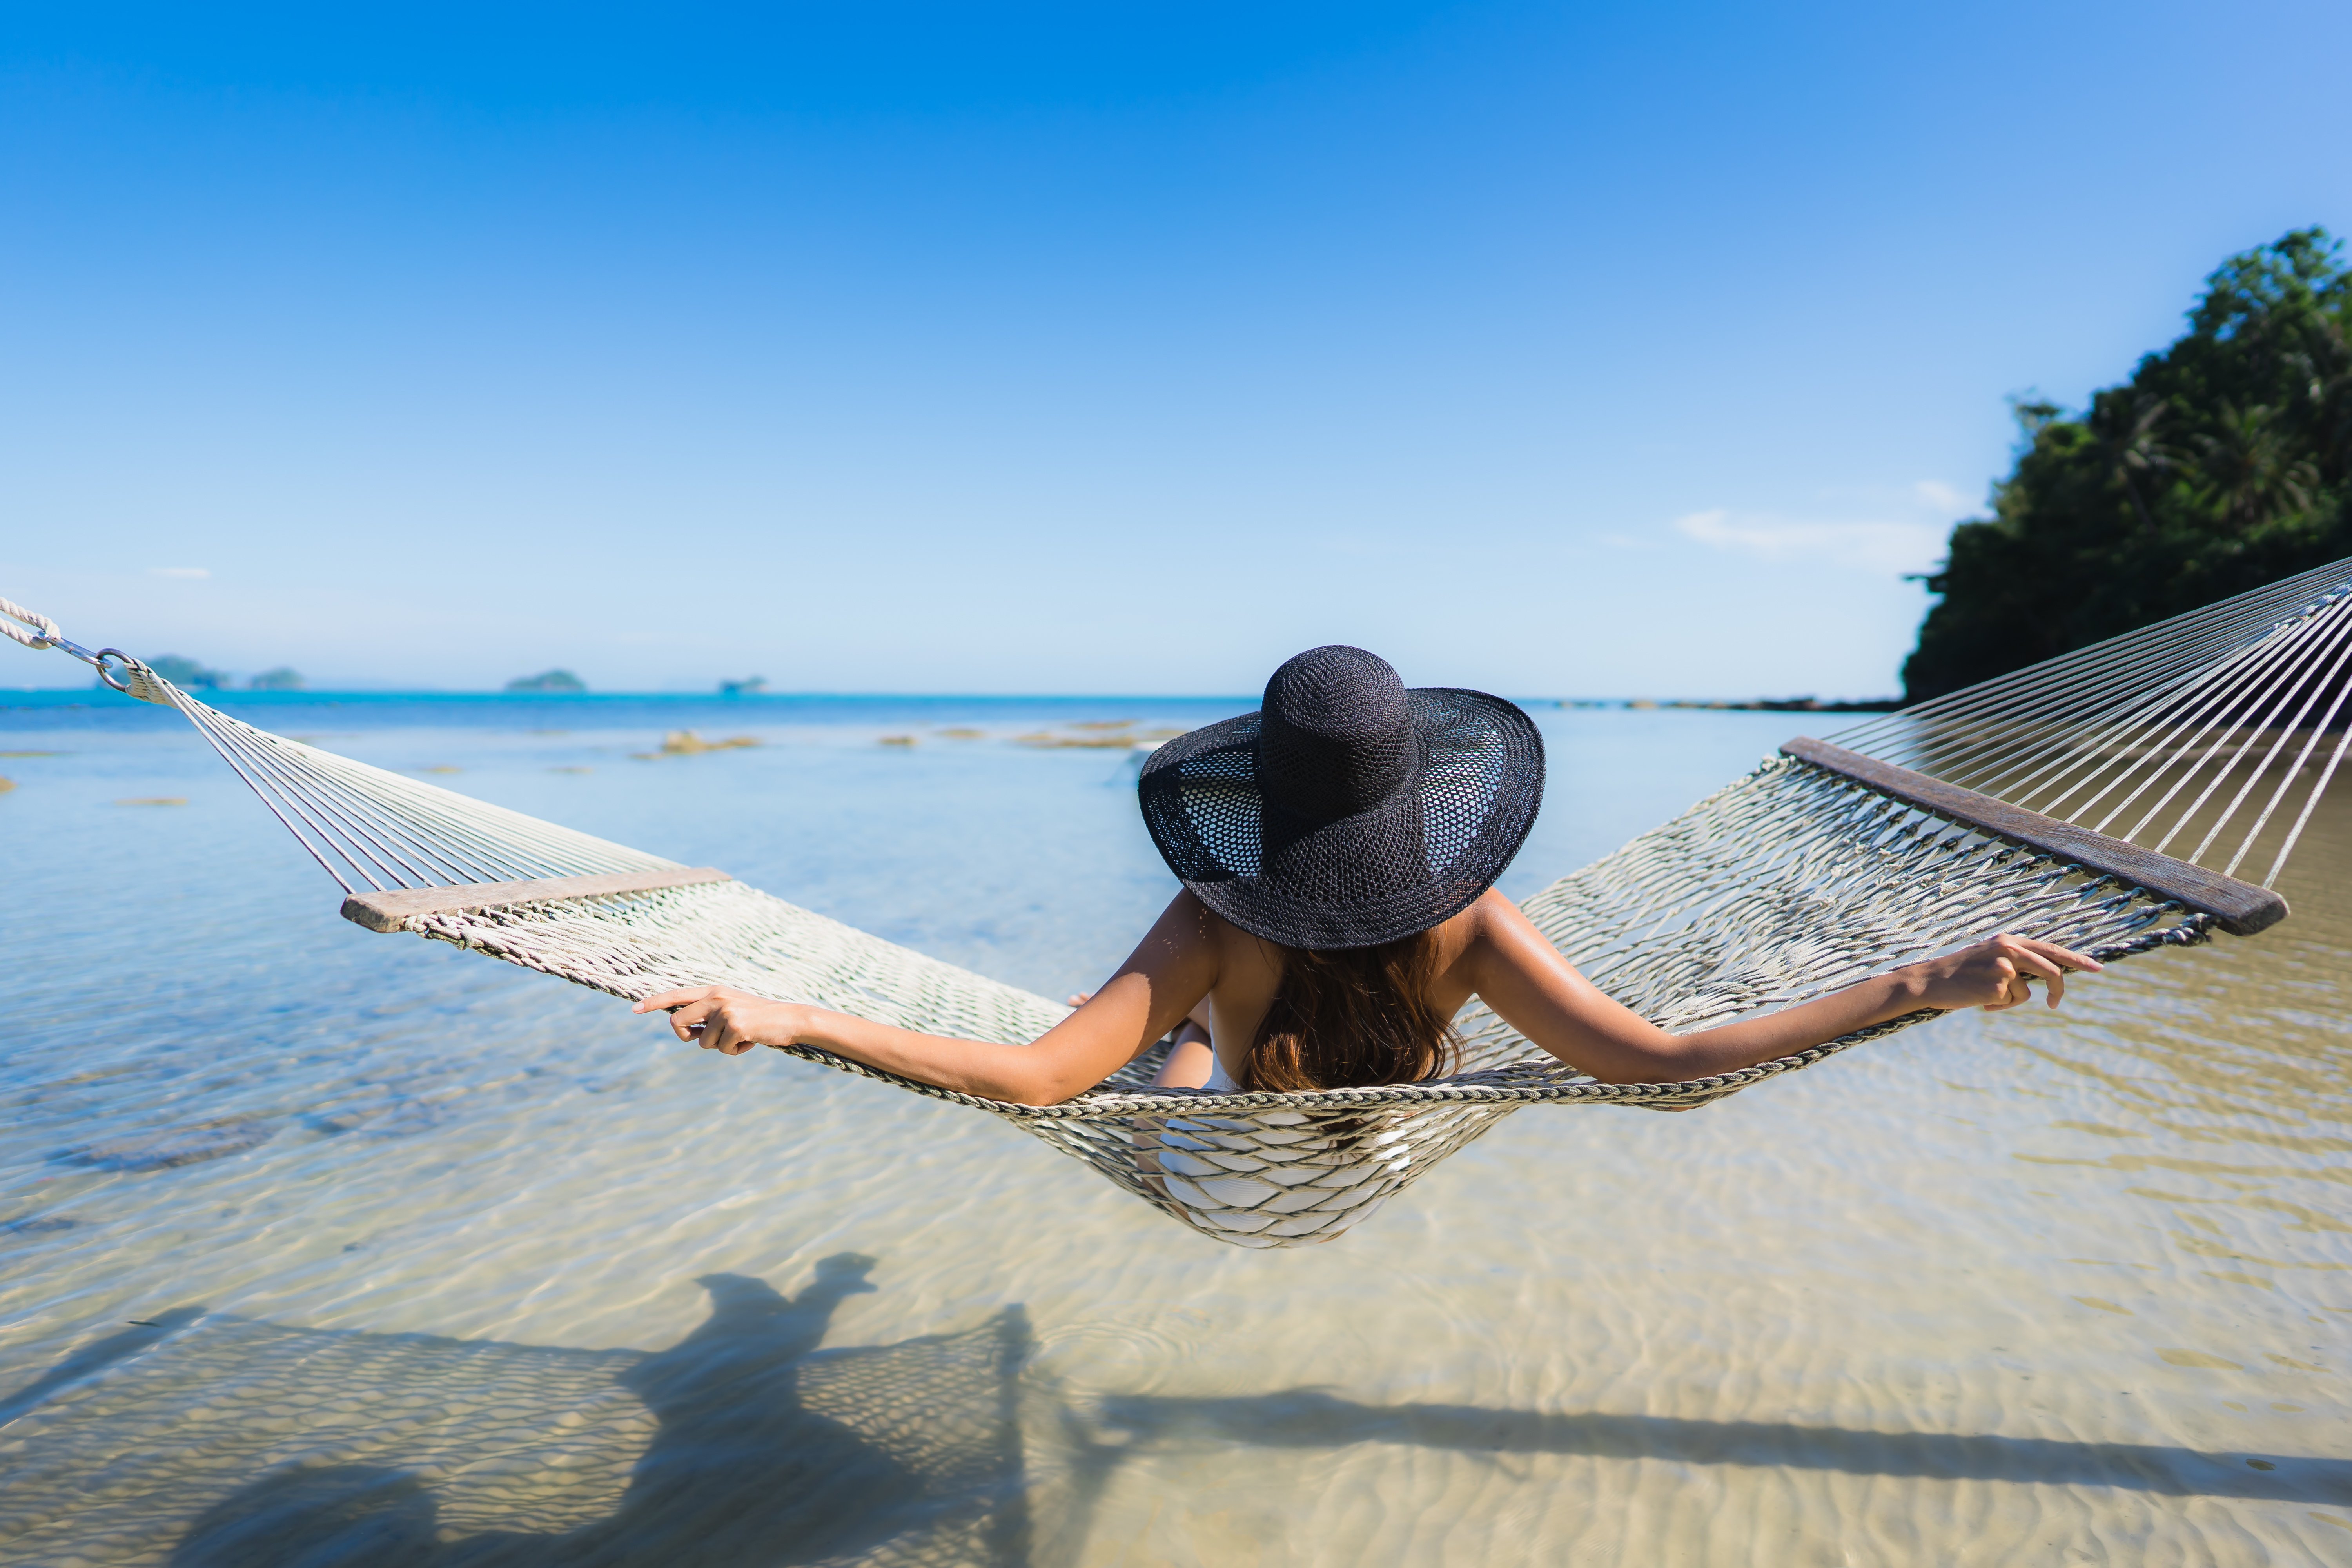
(686, 744)
(181, 1146)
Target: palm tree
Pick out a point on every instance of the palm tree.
(2248, 474)
(2322, 365)
(2135, 453)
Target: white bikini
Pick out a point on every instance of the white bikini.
(1219, 1081)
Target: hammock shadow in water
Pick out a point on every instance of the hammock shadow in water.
(1309, 1419)
(207, 1442)
(765, 1452)
(239, 1444)
(96, 1357)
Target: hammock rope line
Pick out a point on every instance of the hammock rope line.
(1810, 873)
(2175, 709)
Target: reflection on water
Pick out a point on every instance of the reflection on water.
(2224, 1084)
(320, 1246)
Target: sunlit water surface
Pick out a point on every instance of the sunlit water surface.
(319, 1245)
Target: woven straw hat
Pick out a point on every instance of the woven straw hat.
(1348, 810)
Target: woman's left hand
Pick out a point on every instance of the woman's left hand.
(727, 1020)
(1995, 973)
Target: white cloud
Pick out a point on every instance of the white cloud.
(1937, 496)
(192, 573)
(1872, 546)
(1911, 540)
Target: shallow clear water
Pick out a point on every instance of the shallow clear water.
(318, 1241)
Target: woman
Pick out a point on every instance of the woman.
(1338, 850)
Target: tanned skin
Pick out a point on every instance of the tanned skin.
(1195, 966)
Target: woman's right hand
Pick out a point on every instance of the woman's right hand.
(1995, 973)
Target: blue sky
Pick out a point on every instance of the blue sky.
(1550, 349)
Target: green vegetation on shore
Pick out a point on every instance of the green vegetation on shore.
(2219, 467)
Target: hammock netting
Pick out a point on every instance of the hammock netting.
(2102, 800)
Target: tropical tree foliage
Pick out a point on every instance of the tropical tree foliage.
(2219, 467)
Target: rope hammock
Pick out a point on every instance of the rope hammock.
(2103, 800)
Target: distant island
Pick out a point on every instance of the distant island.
(2224, 463)
(186, 673)
(1784, 705)
(1754, 705)
(191, 675)
(548, 680)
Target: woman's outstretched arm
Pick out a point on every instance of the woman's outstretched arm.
(1171, 970)
(1526, 981)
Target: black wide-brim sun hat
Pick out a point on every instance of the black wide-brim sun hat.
(1348, 810)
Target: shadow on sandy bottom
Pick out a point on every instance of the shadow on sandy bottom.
(205, 1441)
(1310, 1418)
(239, 1444)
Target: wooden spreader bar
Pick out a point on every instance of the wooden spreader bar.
(385, 911)
(2241, 908)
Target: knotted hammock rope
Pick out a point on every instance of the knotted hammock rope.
(1818, 869)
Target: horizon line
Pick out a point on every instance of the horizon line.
(226, 693)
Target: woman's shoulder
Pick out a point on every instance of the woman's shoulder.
(1488, 913)
(1192, 926)
(1481, 934)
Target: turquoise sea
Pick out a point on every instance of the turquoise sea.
(320, 1246)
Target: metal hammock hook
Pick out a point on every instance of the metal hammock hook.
(98, 662)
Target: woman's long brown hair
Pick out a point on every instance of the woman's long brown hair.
(1344, 1018)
